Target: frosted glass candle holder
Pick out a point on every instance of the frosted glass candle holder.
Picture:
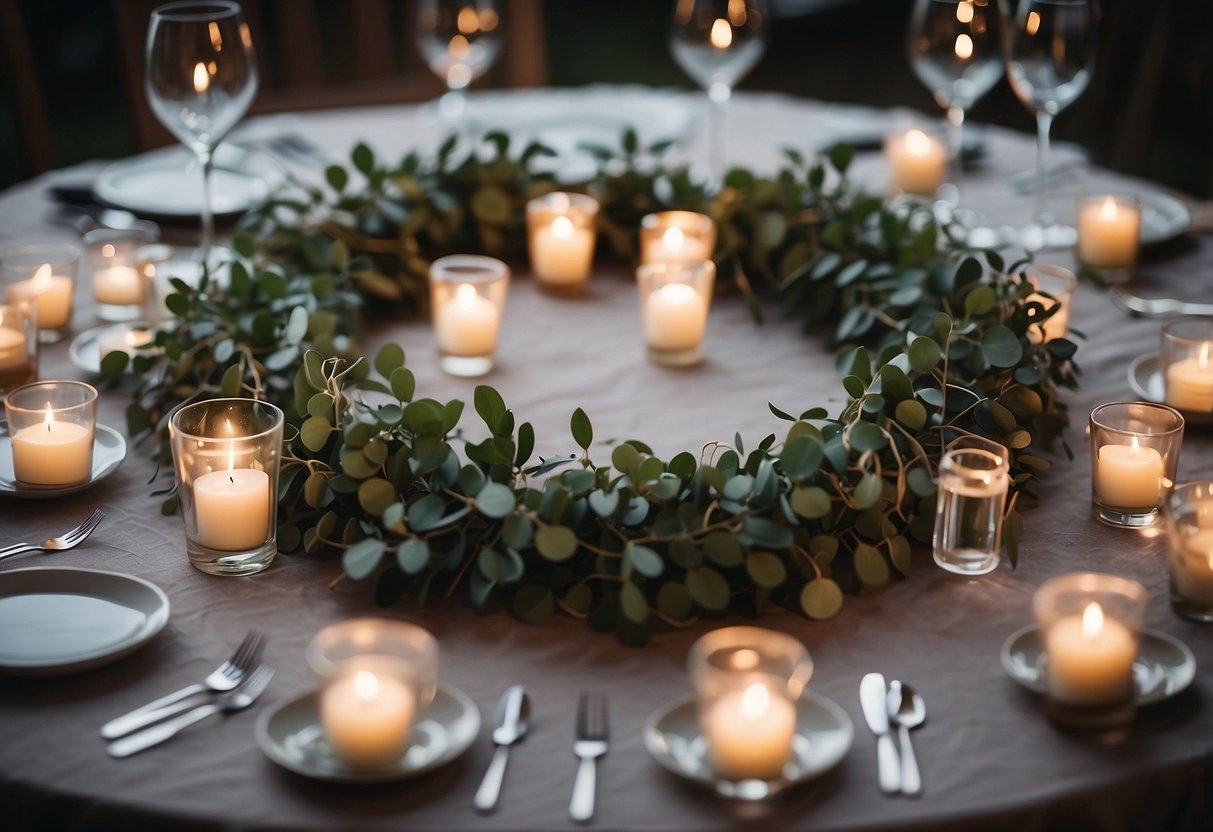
(467, 300)
(43, 274)
(674, 302)
(918, 161)
(1054, 294)
(379, 675)
(1134, 456)
(561, 232)
(747, 681)
(969, 505)
(677, 237)
(18, 345)
(52, 425)
(120, 286)
(1186, 363)
(1190, 533)
(1109, 233)
(226, 454)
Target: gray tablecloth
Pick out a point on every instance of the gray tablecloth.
(989, 756)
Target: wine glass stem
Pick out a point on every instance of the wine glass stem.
(956, 123)
(718, 102)
(206, 158)
(1044, 121)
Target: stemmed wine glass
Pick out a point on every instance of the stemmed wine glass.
(955, 49)
(460, 40)
(201, 79)
(1051, 51)
(717, 42)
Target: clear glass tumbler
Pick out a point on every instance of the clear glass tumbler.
(227, 453)
(18, 344)
(43, 274)
(120, 287)
(677, 237)
(1190, 531)
(1186, 365)
(1134, 456)
(561, 232)
(1054, 293)
(674, 301)
(969, 505)
(467, 300)
(52, 425)
(1109, 234)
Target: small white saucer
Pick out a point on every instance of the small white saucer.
(823, 737)
(1164, 665)
(1146, 381)
(290, 734)
(109, 449)
(85, 350)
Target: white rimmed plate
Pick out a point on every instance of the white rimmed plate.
(290, 734)
(823, 736)
(1163, 218)
(1164, 665)
(58, 620)
(1146, 381)
(109, 449)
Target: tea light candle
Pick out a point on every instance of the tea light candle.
(1090, 658)
(14, 348)
(918, 162)
(53, 453)
(749, 733)
(233, 507)
(1192, 568)
(467, 324)
(675, 317)
(1190, 383)
(118, 286)
(561, 253)
(677, 237)
(1130, 476)
(51, 295)
(366, 717)
(1108, 232)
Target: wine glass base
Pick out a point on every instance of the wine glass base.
(1046, 237)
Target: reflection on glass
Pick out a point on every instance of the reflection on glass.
(460, 40)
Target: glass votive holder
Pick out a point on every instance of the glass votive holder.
(226, 454)
(379, 675)
(1090, 625)
(1134, 456)
(45, 275)
(1054, 292)
(1185, 365)
(1190, 532)
(969, 505)
(674, 301)
(467, 299)
(747, 681)
(918, 161)
(1109, 233)
(120, 286)
(561, 231)
(18, 345)
(52, 425)
(677, 237)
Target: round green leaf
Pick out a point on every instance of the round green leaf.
(723, 549)
(495, 500)
(360, 560)
(604, 503)
(413, 555)
(315, 432)
(388, 359)
(633, 604)
(865, 436)
(708, 588)
(296, 325)
(801, 457)
(534, 604)
(867, 492)
(979, 301)
(375, 495)
(821, 599)
(625, 457)
(924, 354)
(912, 414)
(1001, 347)
(674, 600)
(811, 502)
(766, 569)
(645, 560)
(556, 543)
(403, 383)
(871, 566)
(899, 553)
(315, 489)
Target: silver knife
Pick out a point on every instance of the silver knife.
(873, 697)
(511, 726)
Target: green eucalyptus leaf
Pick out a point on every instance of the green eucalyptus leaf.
(821, 599)
(495, 500)
(555, 543)
(708, 588)
(361, 559)
(413, 555)
(871, 566)
(766, 569)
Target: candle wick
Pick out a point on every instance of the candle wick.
(231, 479)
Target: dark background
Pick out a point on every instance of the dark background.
(1148, 111)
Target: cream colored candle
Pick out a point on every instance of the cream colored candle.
(676, 242)
(1129, 476)
(233, 509)
(1108, 233)
(675, 317)
(467, 324)
(1192, 568)
(14, 349)
(562, 253)
(918, 162)
(749, 733)
(118, 286)
(53, 453)
(51, 294)
(366, 717)
(1190, 383)
(1090, 658)
(1057, 326)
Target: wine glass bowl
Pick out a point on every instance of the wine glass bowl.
(201, 77)
(460, 41)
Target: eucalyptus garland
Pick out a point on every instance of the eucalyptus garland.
(934, 341)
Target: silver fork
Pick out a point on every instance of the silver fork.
(235, 700)
(593, 733)
(67, 540)
(1152, 307)
(223, 678)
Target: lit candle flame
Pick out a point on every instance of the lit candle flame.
(1107, 210)
(672, 239)
(50, 416)
(722, 34)
(202, 78)
(918, 143)
(366, 685)
(1092, 620)
(964, 11)
(755, 701)
(465, 294)
(745, 659)
(1134, 447)
(562, 228)
(964, 47)
(42, 278)
(1203, 358)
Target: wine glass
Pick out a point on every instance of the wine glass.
(955, 49)
(460, 40)
(201, 79)
(717, 42)
(1050, 54)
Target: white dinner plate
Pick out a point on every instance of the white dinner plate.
(1164, 665)
(109, 449)
(290, 734)
(823, 736)
(168, 183)
(85, 349)
(1146, 381)
(1163, 218)
(58, 620)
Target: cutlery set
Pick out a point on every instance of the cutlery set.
(898, 706)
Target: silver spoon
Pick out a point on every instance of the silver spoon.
(512, 713)
(907, 710)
